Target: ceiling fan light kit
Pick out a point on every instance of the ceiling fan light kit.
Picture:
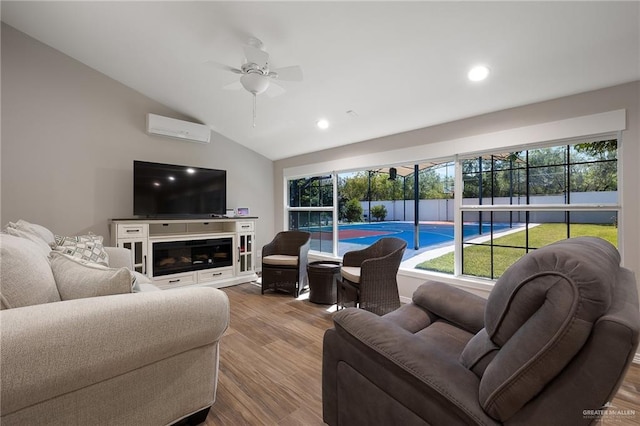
(254, 83)
(256, 75)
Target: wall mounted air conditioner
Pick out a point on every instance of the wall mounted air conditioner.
(178, 129)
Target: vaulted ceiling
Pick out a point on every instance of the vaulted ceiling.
(370, 68)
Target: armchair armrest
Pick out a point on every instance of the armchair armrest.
(428, 382)
(269, 249)
(453, 304)
(119, 257)
(60, 347)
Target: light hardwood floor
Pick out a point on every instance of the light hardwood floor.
(271, 363)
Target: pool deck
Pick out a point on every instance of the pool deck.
(415, 260)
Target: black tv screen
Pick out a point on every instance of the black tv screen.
(172, 190)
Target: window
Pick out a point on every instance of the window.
(311, 209)
(476, 214)
(521, 201)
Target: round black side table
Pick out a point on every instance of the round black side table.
(323, 275)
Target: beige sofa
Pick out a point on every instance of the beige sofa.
(71, 353)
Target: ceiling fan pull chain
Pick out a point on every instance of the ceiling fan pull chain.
(254, 110)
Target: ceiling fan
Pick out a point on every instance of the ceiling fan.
(256, 74)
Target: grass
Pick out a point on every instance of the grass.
(476, 259)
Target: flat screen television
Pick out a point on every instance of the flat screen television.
(170, 190)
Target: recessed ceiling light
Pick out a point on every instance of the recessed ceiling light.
(190, 171)
(322, 124)
(478, 73)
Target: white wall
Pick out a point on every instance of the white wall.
(443, 209)
(489, 132)
(70, 135)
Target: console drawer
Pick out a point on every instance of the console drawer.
(175, 280)
(244, 226)
(215, 274)
(138, 230)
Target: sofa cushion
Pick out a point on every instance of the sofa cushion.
(26, 277)
(77, 279)
(87, 247)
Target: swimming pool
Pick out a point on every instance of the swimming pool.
(431, 234)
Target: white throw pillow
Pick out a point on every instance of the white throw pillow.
(76, 278)
(39, 230)
(21, 233)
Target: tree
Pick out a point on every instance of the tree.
(379, 212)
(598, 148)
(353, 211)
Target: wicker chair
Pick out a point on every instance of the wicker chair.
(369, 277)
(284, 262)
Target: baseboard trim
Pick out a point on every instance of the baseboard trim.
(636, 358)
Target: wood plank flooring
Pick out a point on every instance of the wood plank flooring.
(271, 363)
(270, 360)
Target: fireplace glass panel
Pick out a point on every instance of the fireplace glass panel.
(194, 255)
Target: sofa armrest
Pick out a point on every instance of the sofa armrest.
(455, 305)
(119, 257)
(428, 382)
(55, 348)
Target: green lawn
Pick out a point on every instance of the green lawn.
(476, 259)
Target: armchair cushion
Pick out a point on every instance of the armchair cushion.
(444, 301)
(26, 277)
(352, 273)
(280, 260)
(76, 279)
(406, 367)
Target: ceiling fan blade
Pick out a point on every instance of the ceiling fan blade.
(223, 67)
(232, 86)
(256, 56)
(274, 90)
(292, 73)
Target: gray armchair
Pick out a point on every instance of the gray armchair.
(284, 262)
(550, 346)
(369, 276)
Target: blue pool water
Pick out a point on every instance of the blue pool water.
(430, 234)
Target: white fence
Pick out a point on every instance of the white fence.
(442, 210)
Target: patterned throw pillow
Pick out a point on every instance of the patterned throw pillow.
(86, 247)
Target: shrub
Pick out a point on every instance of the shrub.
(379, 212)
(353, 211)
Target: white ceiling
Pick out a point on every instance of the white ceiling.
(398, 65)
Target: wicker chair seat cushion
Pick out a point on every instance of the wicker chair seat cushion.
(351, 273)
(280, 260)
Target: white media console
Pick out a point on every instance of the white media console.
(180, 252)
